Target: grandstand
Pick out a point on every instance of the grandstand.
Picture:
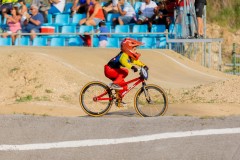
(66, 28)
(66, 32)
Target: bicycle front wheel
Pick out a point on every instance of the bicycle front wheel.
(95, 98)
(151, 101)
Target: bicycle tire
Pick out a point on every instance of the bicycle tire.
(158, 105)
(86, 99)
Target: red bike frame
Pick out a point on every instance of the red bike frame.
(136, 80)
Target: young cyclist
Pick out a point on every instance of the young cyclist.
(115, 69)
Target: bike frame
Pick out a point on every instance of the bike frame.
(136, 80)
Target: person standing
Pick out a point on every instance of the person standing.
(199, 6)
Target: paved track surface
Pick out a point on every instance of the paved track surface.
(19, 130)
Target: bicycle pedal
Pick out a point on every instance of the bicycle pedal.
(120, 104)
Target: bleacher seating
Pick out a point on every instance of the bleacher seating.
(23, 41)
(5, 41)
(113, 42)
(49, 18)
(121, 29)
(40, 41)
(62, 19)
(68, 29)
(162, 43)
(156, 29)
(75, 41)
(83, 29)
(110, 17)
(149, 43)
(95, 42)
(139, 29)
(57, 42)
(77, 17)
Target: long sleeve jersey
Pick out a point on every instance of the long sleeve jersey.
(123, 60)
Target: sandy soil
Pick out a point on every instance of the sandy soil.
(46, 81)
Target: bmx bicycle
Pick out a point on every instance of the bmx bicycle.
(96, 98)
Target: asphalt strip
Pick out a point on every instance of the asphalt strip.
(101, 142)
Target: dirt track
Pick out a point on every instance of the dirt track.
(47, 81)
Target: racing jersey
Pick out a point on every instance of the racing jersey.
(123, 60)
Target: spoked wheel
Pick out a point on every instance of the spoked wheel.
(151, 102)
(95, 98)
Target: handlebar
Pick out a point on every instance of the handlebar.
(143, 73)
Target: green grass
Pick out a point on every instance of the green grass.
(48, 91)
(39, 86)
(225, 13)
(43, 98)
(14, 69)
(65, 98)
(24, 99)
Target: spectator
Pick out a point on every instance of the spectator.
(80, 6)
(94, 14)
(43, 5)
(127, 13)
(103, 38)
(23, 11)
(158, 18)
(168, 23)
(162, 8)
(146, 12)
(199, 6)
(33, 22)
(170, 5)
(110, 7)
(57, 6)
(13, 22)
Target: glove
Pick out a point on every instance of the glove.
(146, 68)
(134, 69)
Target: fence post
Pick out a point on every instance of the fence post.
(220, 57)
(234, 58)
(92, 39)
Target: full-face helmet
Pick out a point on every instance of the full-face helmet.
(127, 46)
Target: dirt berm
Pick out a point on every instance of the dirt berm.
(47, 81)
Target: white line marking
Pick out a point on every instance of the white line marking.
(57, 59)
(184, 66)
(99, 142)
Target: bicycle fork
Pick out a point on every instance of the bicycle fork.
(146, 93)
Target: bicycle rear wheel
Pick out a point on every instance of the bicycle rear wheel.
(89, 98)
(152, 103)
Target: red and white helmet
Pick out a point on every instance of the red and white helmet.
(127, 47)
